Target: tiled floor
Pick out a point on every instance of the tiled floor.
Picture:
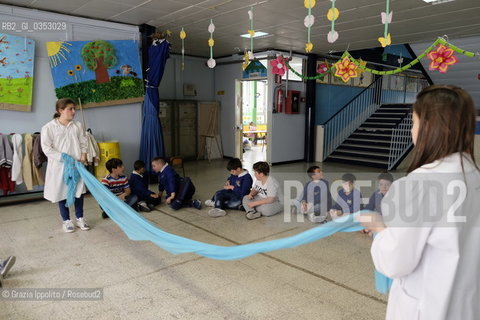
(328, 279)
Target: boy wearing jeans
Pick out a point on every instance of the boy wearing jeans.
(265, 196)
(236, 187)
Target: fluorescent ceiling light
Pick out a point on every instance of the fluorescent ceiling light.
(257, 34)
(437, 1)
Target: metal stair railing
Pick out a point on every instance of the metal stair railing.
(400, 142)
(351, 116)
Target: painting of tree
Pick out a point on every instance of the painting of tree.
(99, 56)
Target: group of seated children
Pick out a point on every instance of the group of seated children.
(134, 190)
(260, 198)
(316, 199)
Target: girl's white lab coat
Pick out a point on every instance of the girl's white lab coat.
(58, 139)
(435, 264)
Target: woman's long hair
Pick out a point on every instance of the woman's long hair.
(447, 124)
(61, 105)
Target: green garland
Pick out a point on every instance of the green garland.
(395, 71)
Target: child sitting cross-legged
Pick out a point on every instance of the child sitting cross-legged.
(349, 198)
(236, 187)
(316, 199)
(265, 196)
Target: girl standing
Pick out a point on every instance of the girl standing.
(427, 241)
(63, 135)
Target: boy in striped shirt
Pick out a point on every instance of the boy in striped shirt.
(117, 183)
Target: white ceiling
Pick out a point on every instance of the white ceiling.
(359, 24)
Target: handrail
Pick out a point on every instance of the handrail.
(400, 141)
(390, 90)
(346, 105)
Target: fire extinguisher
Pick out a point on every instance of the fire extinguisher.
(279, 100)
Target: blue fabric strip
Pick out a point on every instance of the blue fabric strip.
(138, 228)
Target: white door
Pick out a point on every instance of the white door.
(238, 120)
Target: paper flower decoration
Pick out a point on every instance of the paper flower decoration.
(441, 58)
(278, 66)
(211, 42)
(322, 68)
(346, 69)
(183, 34)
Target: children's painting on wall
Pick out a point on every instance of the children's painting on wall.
(16, 72)
(99, 73)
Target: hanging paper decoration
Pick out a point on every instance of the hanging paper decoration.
(183, 35)
(386, 40)
(246, 60)
(439, 41)
(308, 22)
(346, 69)
(278, 66)
(332, 15)
(441, 58)
(361, 66)
(323, 68)
(251, 32)
(211, 62)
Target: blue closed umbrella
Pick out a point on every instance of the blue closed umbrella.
(151, 144)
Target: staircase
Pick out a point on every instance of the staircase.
(373, 143)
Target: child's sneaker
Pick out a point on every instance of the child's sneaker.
(253, 215)
(316, 219)
(6, 266)
(209, 203)
(68, 226)
(216, 212)
(82, 224)
(142, 206)
(197, 204)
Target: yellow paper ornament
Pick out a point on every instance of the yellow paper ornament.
(211, 42)
(183, 34)
(251, 33)
(308, 47)
(309, 3)
(333, 14)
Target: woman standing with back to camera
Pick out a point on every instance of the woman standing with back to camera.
(429, 241)
(64, 135)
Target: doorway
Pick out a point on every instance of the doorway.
(254, 122)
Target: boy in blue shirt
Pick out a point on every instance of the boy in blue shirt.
(147, 199)
(349, 198)
(236, 187)
(385, 180)
(316, 199)
(179, 191)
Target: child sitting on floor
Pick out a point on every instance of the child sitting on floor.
(265, 196)
(118, 184)
(236, 187)
(147, 199)
(349, 199)
(179, 191)
(316, 199)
